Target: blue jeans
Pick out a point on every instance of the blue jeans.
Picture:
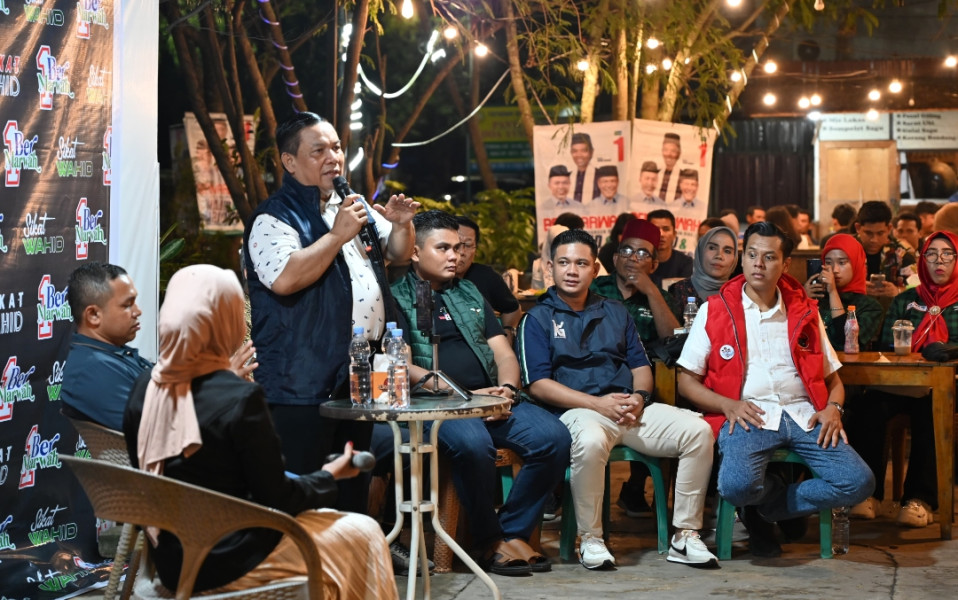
(844, 479)
(537, 437)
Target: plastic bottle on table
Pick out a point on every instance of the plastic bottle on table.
(691, 309)
(840, 530)
(397, 382)
(388, 337)
(851, 331)
(360, 383)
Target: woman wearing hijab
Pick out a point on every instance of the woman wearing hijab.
(842, 284)
(932, 308)
(192, 419)
(716, 257)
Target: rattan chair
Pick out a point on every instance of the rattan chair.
(198, 517)
(110, 445)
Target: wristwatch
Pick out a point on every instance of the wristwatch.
(646, 397)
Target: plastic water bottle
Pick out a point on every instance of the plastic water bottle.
(397, 381)
(360, 383)
(691, 309)
(388, 337)
(851, 331)
(840, 530)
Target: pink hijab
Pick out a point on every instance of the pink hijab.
(201, 325)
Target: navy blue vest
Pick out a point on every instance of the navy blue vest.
(302, 340)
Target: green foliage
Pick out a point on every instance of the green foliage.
(507, 222)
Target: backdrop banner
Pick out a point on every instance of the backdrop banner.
(56, 105)
(599, 170)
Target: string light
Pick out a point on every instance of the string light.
(816, 100)
(771, 66)
(354, 162)
(736, 76)
(769, 99)
(450, 32)
(652, 43)
(804, 102)
(651, 69)
(666, 63)
(819, 5)
(874, 95)
(895, 86)
(951, 62)
(734, 3)
(422, 65)
(481, 50)
(872, 114)
(814, 115)
(407, 11)
(582, 65)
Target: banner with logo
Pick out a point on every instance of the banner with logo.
(600, 170)
(56, 82)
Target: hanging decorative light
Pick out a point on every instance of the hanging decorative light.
(407, 11)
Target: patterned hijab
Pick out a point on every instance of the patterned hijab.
(936, 297)
(705, 285)
(856, 256)
(201, 325)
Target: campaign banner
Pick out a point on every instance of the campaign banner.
(217, 211)
(56, 81)
(600, 170)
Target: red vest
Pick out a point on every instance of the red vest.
(726, 327)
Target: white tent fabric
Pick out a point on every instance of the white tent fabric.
(135, 195)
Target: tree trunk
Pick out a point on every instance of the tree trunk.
(515, 71)
(282, 51)
(590, 90)
(678, 76)
(351, 74)
(739, 86)
(620, 66)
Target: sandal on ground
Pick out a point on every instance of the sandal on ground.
(506, 560)
(538, 562)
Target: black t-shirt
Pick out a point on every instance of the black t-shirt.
(679, 265)
(492, 288)
(456, 358)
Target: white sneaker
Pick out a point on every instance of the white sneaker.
(915, 513)
(688, 548)
(868, 509)
(593, 554)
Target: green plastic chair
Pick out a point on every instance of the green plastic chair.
(569, 530)
(725, 519)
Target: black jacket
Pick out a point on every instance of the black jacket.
(241, 457)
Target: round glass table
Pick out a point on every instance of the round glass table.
(420, 410)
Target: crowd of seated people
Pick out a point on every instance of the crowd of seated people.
(759, 366)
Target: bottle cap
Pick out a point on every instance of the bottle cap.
(390, 325)
(397, 333)
(691, 299)
(358, 330)
(851, 307)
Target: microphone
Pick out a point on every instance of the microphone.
(364, 461)
(343, 189)
(424, 306)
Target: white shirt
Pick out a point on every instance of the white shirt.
(771, 379)
(272, 242)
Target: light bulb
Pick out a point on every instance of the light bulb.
(735, 76)
(481, 50)
(650, 69)
(804, 102)
(895, 86)
(652, 43)
(819, 5)
(450, 33)
(769, 99)
(816, 100)
(874, 95)
(582, 65)
(407, 11)
(951, 62)
(872, 114)
(666, 63)
(771, 66)
(734, 3)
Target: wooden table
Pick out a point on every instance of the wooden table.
(419, 411)
(889, 369)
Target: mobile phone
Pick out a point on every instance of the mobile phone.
(813, 266)
(877, 280)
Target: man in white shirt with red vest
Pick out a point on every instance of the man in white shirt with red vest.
(758, 363)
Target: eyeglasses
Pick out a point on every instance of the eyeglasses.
(637, 253)
(946, 256)
(466, 248)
